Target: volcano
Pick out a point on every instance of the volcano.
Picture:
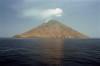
(52, 29)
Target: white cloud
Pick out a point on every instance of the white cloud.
(31, 13)
(52, 12)
(43, 14)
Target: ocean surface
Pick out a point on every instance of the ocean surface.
(49, 52)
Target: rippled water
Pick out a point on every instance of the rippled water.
(49, 52)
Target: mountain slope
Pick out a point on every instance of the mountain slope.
(52, 29)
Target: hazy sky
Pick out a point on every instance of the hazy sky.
(18, 16)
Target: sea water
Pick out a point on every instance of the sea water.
(49, 52)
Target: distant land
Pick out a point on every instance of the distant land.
(52, 29)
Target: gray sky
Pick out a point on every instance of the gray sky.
(18, 16)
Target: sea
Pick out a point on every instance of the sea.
(49, 52)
